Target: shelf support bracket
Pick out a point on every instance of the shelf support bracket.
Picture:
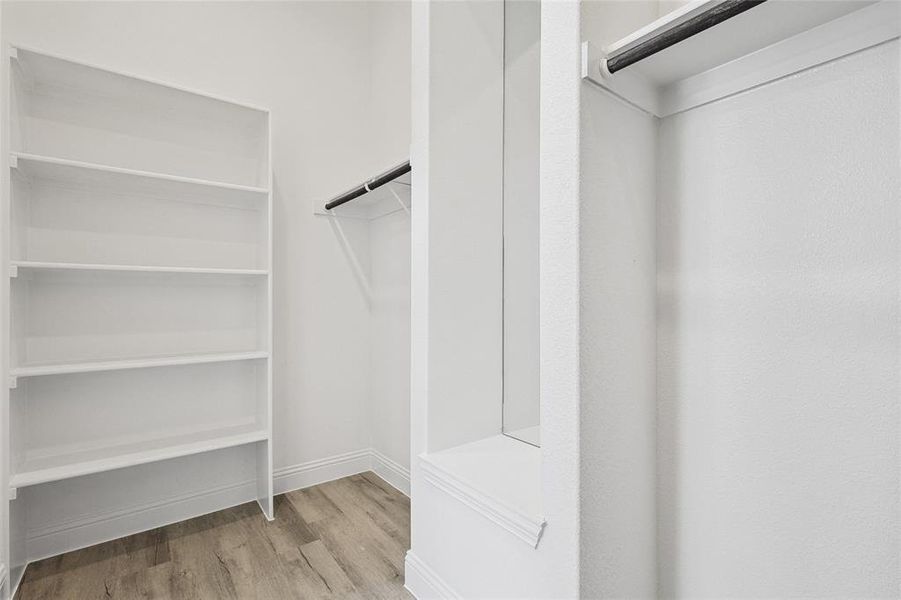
(13, 161)
(629, 87)
(13, 271)
(13, 382)
(13, 493)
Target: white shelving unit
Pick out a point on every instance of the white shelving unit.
(139, 263)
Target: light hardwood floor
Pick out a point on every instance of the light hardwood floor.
(343, 539)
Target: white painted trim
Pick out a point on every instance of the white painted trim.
(423, 582)
(94, 529)
(296, 477)
(391, 471)
(102, 527)
(526, 527)
(15, 579)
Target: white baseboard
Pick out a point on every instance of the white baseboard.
(15, 578)
(81, 533)
(423, 582)
(394, 473)
(304, 475)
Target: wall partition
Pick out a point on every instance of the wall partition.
(522, 35)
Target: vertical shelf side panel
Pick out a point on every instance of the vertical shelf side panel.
(6, 123)
(264, 450)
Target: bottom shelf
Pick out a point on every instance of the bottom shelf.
(56, 467)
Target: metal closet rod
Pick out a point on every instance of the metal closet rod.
(376, 182)
(701, 22)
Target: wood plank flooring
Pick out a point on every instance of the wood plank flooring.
(343, 539)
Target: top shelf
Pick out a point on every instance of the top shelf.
(768, 41)
(48, 70)
(81, 112)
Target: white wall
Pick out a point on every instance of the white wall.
(618, 348)
(389, 406)
(465, 222)
(309, 63)
(389, 57)
(618, 415)
(522, 41)
(778, 332)
(389, 238)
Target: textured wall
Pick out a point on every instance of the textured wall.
(778, 338)
(617, 348)
(618, 410)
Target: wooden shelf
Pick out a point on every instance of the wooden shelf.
(50, 167)
(58, 266)
(76, 464)
(137, 363)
